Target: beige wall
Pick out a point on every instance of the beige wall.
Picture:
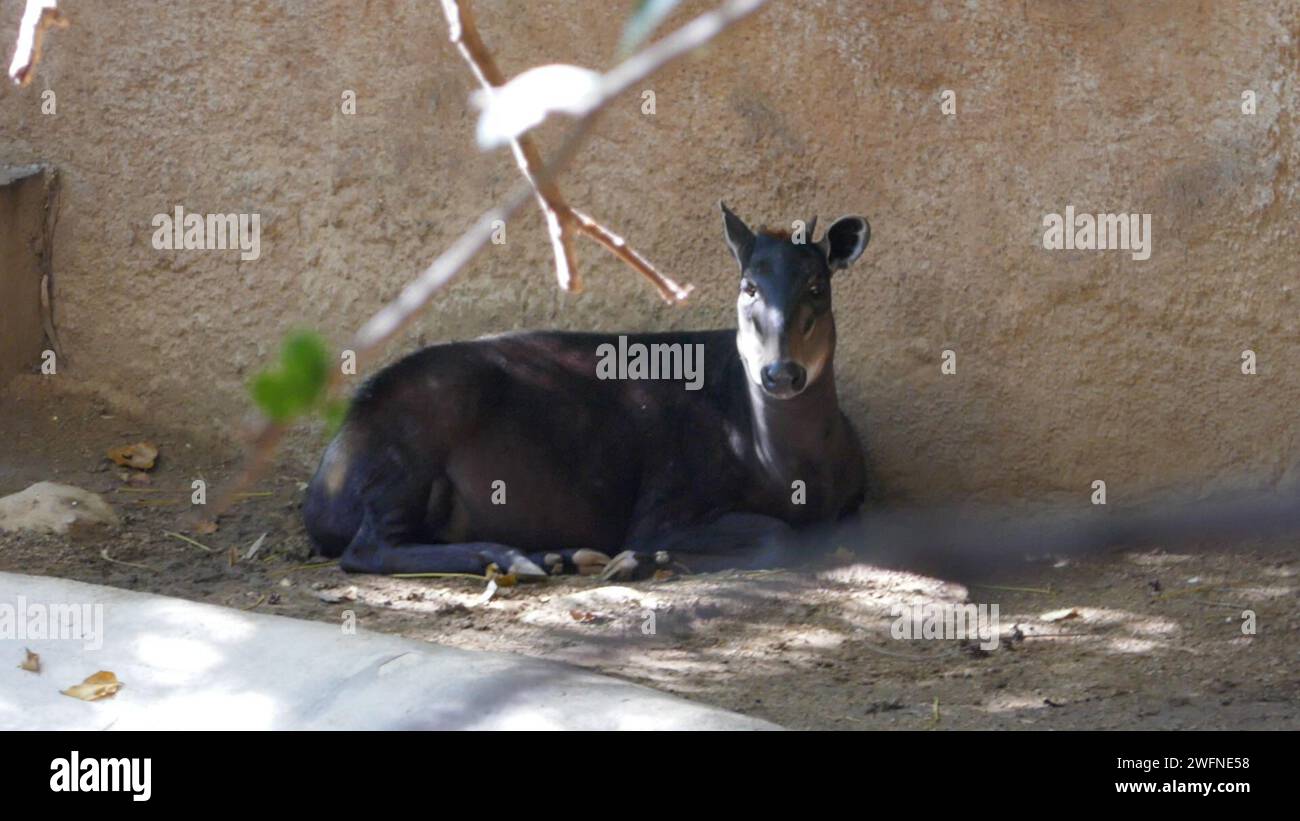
(1072, 366)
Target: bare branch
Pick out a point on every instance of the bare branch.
(561, 219)
(396, 315)
(681, 42)
(38, 16)
(668, 289)
(464, 33)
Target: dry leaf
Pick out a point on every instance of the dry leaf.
(32, 663)
(100, 685)
(140, 456)
(257, 545)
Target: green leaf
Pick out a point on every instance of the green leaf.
(647, 17)
(271, 396)
(334, 412)
(299, 383)
(305, 363)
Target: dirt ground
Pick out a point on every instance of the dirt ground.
(1148, 640)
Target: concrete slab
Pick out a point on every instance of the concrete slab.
(186, 665)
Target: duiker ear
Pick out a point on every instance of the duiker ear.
(845, 240)
(739, 237)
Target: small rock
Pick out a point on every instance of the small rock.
(49, 507)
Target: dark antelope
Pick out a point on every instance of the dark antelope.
(519, 450)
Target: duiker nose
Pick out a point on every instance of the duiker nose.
(784, 376)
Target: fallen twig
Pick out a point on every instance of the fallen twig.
(261, 600)
(474, 576)
(1043, 591)
(314, 565)
(184, 538)
(257, 545)
(103, 554)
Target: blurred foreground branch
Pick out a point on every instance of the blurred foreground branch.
(38, 16)
(397, 314)
(561, 219)
(966, 544)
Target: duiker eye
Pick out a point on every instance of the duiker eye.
(816, 289)
(749, 288)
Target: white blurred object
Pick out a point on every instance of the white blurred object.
(527, 100)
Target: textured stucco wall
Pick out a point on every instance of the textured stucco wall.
(1072, 366)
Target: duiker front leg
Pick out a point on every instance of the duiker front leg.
(396, 507)
(371, 551)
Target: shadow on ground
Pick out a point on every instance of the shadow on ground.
(1150, 639)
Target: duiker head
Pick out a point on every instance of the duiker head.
(785, 331)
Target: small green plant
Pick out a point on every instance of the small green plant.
(298, 386)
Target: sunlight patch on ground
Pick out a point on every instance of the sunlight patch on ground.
(810, 637)
(1264, 593)
(1133, 645)
(1119, 632)
(176, 661)
(676, 667)
(230, 627)
(1159, 559)
(1010, 703)
(894, 582)
(1101, 617)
